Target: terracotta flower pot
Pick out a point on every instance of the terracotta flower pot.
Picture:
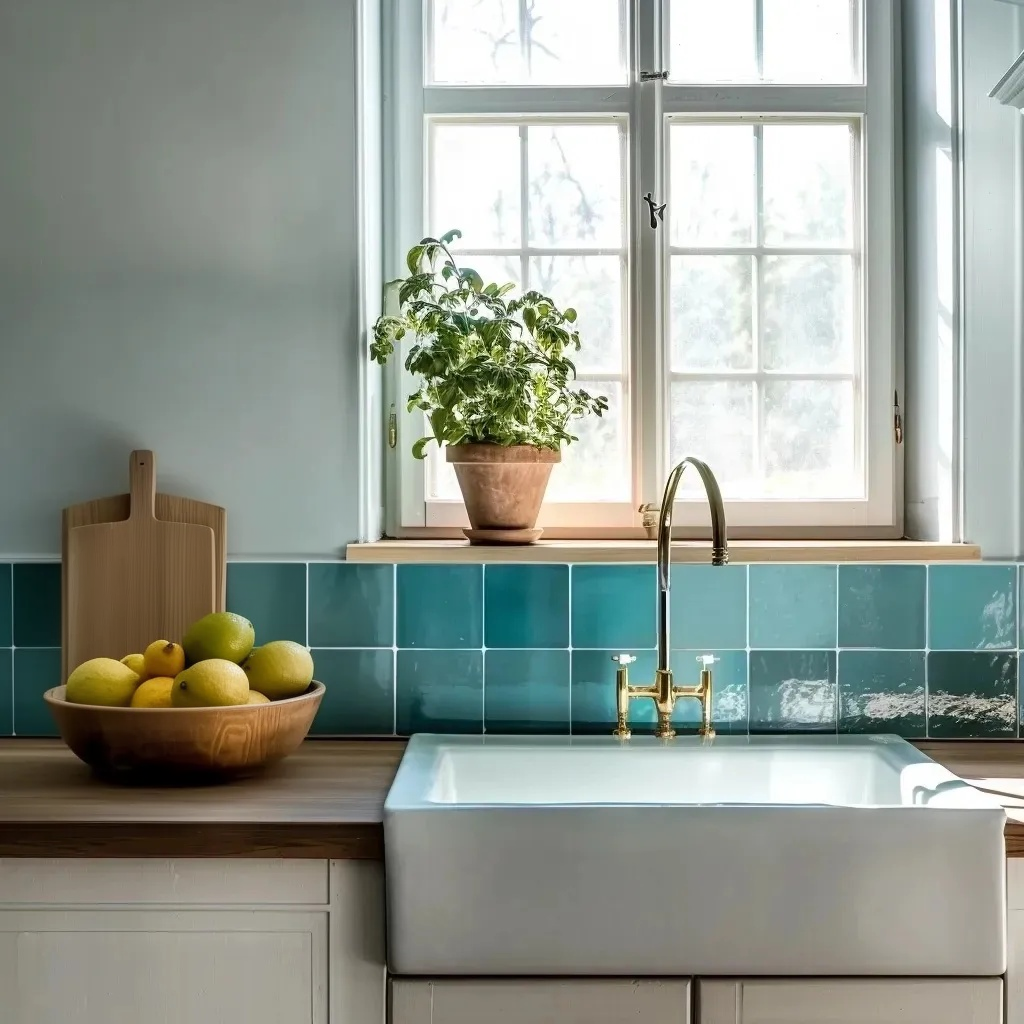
(503, 488)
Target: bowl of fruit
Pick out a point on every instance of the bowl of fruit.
(212, 706)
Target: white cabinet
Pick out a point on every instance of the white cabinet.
(853, 1001)
(573, 1001)
(1015, 940)
(163, 967)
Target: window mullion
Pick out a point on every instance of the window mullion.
(757, 328)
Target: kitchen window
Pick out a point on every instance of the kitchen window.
(711, 186)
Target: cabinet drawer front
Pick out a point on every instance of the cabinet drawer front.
(221, 882)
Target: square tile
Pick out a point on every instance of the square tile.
(729, 690)
(360, 697)
(526, 691)
(272, 596)
(614, 606)
(36, 670)
(440, 691)
(971, 695)
(882, 606)
(792, 606)
(526, 606)
(709, 607)
(793, 691)
(593, 692)
(6, 692)
(882, 691)
(6, 606)
(351, 605)
(440, 606)
(37, 604)
(972, 607)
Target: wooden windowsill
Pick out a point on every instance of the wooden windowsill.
(740, 551)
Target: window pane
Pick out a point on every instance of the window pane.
(596, 467)
(712, 319)
(809, 440)
(808, 313)
(442, 483)
(810, 40)
(484, 205)
(495, 268)
(714, 421)
(713, 42)
(592, 285)
(480, 42)
(808, 184)
(712, 201)
(575, 186)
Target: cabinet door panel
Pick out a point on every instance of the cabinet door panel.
(596, 1001)
(853, 1001)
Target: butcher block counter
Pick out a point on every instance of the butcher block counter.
(325, 801)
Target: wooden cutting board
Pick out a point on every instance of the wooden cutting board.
(130, 582)
(115, 509)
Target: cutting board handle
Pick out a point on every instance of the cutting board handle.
(142, 482)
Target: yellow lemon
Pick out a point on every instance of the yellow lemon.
(214, 682)
(137, 663)
(255, 697)
(102, 681)
(164, 658)
(154, 693)
(280, 669)
(219, 635)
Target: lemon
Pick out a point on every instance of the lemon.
(164, 658)
(137, 663)
(255, 697)
(212, 683)
(280, 669)
(154, 693)
(102, 681)
(219, 635)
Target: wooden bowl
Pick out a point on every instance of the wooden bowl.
(184, 744)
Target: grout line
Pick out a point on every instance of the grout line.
(13, 733)
(306, 568)
(837, 700)
(568, 723)
(394, 649)
(927, 641)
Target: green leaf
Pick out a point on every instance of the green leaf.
(449, 236)
(419, 449)
(570, 315)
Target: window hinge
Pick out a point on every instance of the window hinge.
(897, 418)
(392, 428)
(653, 76)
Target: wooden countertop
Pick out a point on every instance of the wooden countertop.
(326, 801)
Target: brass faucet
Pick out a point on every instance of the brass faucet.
(664, 692)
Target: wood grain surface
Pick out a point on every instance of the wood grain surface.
(132, 582)
(325, 801)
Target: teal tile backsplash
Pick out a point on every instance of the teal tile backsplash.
(923, 651)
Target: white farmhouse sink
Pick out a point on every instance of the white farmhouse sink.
(786, 855)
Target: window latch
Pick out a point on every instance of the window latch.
(392, 428)
(653, 76)
(657, 212)
(897, 418)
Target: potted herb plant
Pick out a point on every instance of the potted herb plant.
(496, 385)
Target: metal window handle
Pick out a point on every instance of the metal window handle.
(657, 212)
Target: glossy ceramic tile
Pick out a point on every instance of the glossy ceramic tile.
(36, 670)
(6, 692)
(793, 691)
(351, 605)
(440, 606)
(593, 692)
(526, 606)
(526, 691)
(882, 606)
(37, 604)
(439, 691)
(709, 607)
(360, 697)
(613, 606)
(792, 606)
(6, 606)
(272, 595)
(971, 695)
(882, 691)
(729, 690)
(972, 607)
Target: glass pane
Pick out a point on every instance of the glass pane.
(712, 316)
(596, 467)
(484, 205)
(714, 420)
(479, 42)
(809, 440)
(808, 184)
(811, 40)
(442, 484)
(712, 199)
(808, 313)
(592, 285)
(575, 186)
(713, 41)
(494, 268)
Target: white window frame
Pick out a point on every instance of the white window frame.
(648, 106)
